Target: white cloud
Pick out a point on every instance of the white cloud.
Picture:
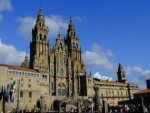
(102, 58)
(99, 57)
(5, 5)
(54, 23)
(137, 70)
(138, 74)
(25, 27)
(10, 55)
(79, 18)
(102, 77)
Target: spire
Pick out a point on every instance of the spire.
(71, 29)
(120, 68)
(71, 25)
(40, 15)
(71, 22)
(59, 34)
(121, 74)
(40, 22)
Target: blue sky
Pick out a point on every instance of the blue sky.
(110, 31)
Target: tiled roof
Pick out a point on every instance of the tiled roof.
(112, 82)
(143, 91)
(19, 68)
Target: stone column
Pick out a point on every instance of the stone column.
(98, 105)
(79, 110)
(143, 108)
(105, 107)
(59, 111)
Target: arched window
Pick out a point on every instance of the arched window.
(73, 45)
(76, 45)
(61, 62)
(61, 89)
(44, 37)
(40, 36)
(61, 72)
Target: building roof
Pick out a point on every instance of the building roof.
(19, 68)
(145, 91)
(112, 82)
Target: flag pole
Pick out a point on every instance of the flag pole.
(18, 95)
(3, 103)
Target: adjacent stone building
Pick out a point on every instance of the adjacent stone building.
(58, 73)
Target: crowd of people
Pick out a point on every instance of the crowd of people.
(131, 108)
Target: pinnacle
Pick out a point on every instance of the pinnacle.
(120, 67)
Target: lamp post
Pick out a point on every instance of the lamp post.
(3, 97)
(18, 91)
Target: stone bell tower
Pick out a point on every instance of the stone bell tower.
(121, 74)
(74, 49)
(78, 68)
(39, 46)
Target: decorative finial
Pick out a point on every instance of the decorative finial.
(71, 22)
(120, 67)
(60, 30)
(90, 73)
(40, 11)
(59, 34)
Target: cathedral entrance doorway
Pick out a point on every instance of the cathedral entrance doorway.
(76, 105)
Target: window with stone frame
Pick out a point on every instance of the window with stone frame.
(61, 89)
(21, 94)
(61, 72)
(52, 86)
(61, 62)
(30, 94)
(118, 93)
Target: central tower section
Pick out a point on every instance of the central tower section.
(39, 46)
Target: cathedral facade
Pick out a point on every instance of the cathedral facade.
(58, 73)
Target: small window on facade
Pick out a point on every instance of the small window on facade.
(61, 72)
(21, 94)
(40, 36)
(61, 61)
(118, 93)
(106, 93)
(44, 37)
(73, 45)
(76, 45)
(30, 94)
(113, 92)
(16, 72)
(29, 86)
(21, 79)
(29, 80)
(121, 93)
